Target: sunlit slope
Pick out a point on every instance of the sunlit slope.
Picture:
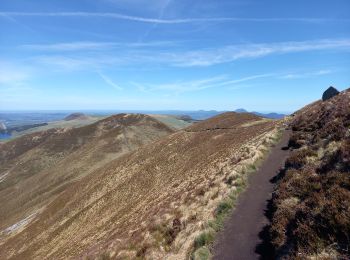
(119, 209)
(37, 167)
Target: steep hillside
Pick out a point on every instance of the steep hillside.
(21, 130)
(149, 203)
(75, 121)
(228, 120)
(35, 168)
(311, 204)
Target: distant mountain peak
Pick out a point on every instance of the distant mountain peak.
(241, 110)
(75, 116)
(267, 115)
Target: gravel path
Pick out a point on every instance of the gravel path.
(241, 237)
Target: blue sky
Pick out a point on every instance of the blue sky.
(171, 54)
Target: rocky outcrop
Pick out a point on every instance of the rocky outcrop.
(329, 93)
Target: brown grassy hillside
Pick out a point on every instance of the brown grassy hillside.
(311, 218)
(37, 167)
(150, 203)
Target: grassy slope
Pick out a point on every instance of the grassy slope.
(171, 121)
(41, 165)
(58, 124)
(152, 202)
(203, 243)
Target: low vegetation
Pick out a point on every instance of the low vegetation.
(311, 204)
(204, 241)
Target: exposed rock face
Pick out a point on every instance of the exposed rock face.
(329, 93)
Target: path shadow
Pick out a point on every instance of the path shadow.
(285, 148)
(264, 249)
(279, 176)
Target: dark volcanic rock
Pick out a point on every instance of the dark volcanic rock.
(329, 93)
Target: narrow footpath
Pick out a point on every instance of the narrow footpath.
(242, 231)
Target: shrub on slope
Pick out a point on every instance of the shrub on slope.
(311, 203)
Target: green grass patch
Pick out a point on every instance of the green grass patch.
(202, 253)
(204, 242)
(206, 238)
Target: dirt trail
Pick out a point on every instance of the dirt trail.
(240, 238)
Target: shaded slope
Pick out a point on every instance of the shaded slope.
(39, 166)
(124, 208)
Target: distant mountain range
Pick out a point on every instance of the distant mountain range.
(267, 115)
(20, 121)
(204, 114)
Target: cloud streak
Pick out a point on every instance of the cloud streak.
(306, 75)
(167, 21)
(220, 82)
(109, 82)
(198, 85)
(182, 86)
(176, 57)
(86, 46)
(232, 53)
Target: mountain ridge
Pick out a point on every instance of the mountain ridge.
(48, 162)
(131, 199)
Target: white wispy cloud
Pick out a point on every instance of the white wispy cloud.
(13, 75)
(85, 46)
(182, 86)
(76, 63)
(223, 81)
(167, 21)
(306, 75)
(109, 82)
(162, 9)
(177, 58)
(198, 84)
(249, 78)
(70, 46)
(232, 53)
